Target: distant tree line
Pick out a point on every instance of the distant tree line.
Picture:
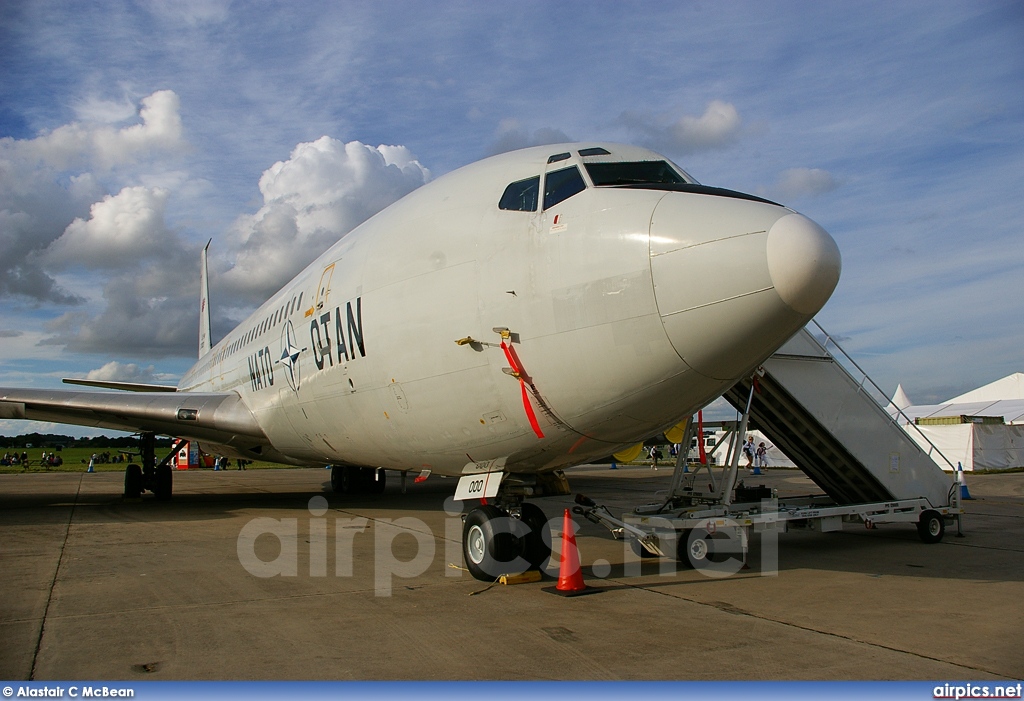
(55, 441)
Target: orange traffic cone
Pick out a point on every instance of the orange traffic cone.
(570, 575)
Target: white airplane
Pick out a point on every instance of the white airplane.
(529, 312)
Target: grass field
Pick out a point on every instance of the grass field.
(77, 460)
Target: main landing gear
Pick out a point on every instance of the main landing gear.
(348, 479)
(156, 478)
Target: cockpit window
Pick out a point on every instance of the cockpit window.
(562, 184)
(635, 173)
(521, 196)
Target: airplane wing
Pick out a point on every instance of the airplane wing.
(220, 418)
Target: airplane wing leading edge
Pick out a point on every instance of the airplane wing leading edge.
(220, 418)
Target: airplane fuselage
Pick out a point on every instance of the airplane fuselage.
(520, 309)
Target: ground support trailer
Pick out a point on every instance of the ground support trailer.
(835, 428)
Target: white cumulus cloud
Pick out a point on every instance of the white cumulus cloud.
(102, 146)
(324, 190)
(93, 108)
(126, 226)
(718, 127)
(85, 207)
(49, 181)
(123, 372)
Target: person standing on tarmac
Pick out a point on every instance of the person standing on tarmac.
(655, 457)
(761, 456)
(748, 450)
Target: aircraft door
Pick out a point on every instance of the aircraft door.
(527, 253)
(522, 243)
(506, 246)
(323, 288)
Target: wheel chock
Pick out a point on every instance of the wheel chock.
(524, 578)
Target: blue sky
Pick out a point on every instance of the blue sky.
(133, 132)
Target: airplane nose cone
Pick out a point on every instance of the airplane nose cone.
(734, 279)
(804, 263)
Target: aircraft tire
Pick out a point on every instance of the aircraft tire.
(337, 479)
(931, 527)
(486, 549)
(536, 548)
(358, 480)
(353, 480)
(346, 479)
(694, 547)
(133, 481)
(164, 483)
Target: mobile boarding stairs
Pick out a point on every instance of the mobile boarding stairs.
(819, 414)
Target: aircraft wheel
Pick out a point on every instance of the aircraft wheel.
(346, 479)
(931, 527)
(354, 480)
(536, 548)
(164, 482)
(133, 482)
(693, 547)
(336, 482)
(488, 547)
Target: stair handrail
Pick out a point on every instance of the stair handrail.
(866, 378)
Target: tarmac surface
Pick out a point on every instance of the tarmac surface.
(95, 587)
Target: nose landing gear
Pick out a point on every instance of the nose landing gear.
(497, 541)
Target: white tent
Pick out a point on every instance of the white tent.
(1010, 387)
(1011, 410)
(974, 445)
(900, 399)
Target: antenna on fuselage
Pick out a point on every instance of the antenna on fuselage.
(204, 303)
